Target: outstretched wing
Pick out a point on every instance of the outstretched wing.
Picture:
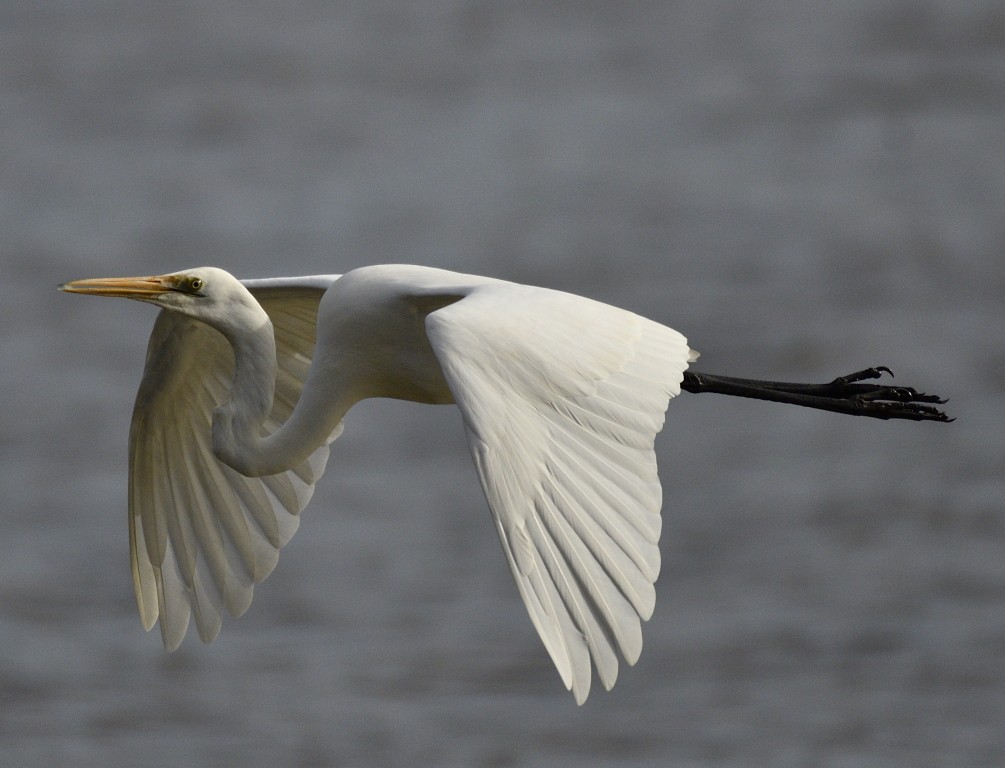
(562, 398)
(202, 535)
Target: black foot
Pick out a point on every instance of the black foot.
(846, 394)
(885, 402)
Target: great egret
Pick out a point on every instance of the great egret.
(246, 384)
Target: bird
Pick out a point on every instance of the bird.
(246, 384)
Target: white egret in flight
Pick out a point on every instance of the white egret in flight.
(246, 384)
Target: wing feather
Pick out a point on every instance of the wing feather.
(202, 535)
(562, 398)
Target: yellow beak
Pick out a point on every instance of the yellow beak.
(124, 287)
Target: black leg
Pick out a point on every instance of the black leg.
(846, 394)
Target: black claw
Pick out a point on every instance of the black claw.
(885, 409)
(868, 373)
(886, 402)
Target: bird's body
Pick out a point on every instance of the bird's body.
(246, 384)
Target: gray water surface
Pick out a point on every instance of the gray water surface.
(803, 189)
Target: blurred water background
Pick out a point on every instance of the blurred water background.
(803, 189)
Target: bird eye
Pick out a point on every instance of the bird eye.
(196, 284)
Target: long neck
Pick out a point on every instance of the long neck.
(239, 438)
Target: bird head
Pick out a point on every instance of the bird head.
(205, 293)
